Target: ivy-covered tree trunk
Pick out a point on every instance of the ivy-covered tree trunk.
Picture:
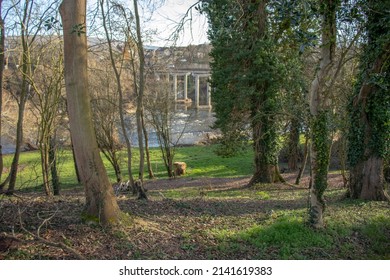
(319, 111)
(246, 80)
(369, 136)
(264, 142)
(293, 145)
(100, 200)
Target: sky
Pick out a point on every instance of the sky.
(166, 18)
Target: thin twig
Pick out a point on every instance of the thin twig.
(37, 237)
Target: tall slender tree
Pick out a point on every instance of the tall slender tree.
(139, 87)
(117, 73)
(100, 199)
(27, 38)
(319, 95)
(2, 60)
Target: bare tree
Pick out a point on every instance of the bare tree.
(30, 26)
(47, 85)
(159, 104)
(2, 60)
(105, 115)
(117, 72)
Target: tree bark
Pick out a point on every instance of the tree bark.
(147, 151)
(24, 91)
(369, 115)
(2, 60)
(76, 169)
(367, 180)
(304, 161)
(265, 171)
(293, 145)
(263, 118)
(100, 199)
(319, 110)
(140, 86)
(53, 166)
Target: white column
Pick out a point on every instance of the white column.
(185, 86)
(175, 86)
(196, 91)
(208, 94)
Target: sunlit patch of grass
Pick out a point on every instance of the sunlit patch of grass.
(284, 236)
(201, 162)
(289, 235)
(263, 195)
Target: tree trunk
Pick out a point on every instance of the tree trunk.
(19, 131)
(120, 93)
(369, 139)
(263, 113)
(75, 161)
(293, 145)
(265, 158)
(140, 92)
(2, 59)
(100, 199)
(117, 167)
(24, 91)
(319, 110)
(367, 180)
(44, 148)
(304, 161)
(55, 180)
(147, 151)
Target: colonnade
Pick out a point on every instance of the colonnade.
(197, 88)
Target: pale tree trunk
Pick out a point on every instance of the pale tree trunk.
(319, 110)
(100, 199)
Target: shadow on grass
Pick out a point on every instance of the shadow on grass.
(198, 207)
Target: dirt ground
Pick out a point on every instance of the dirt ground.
(34, 227)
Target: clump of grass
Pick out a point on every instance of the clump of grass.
(263, 195)
(289, 235)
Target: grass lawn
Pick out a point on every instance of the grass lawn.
(206, 214)
(201, 162)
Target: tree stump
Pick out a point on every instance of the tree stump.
(140, 190)
(180, 168)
